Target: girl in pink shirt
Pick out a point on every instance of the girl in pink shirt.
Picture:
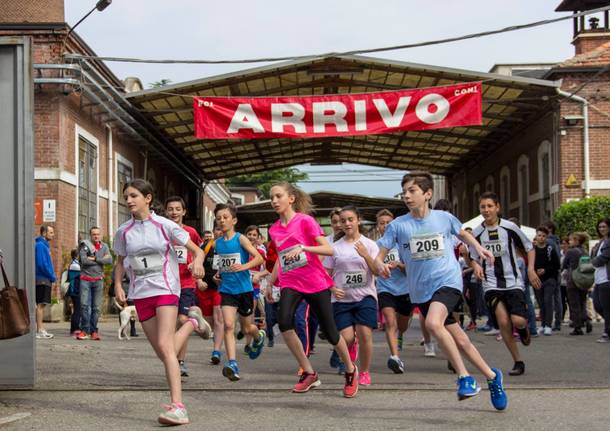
(145, 246)
(352, 267)
(300, 242)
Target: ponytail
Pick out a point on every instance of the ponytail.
(302, 201)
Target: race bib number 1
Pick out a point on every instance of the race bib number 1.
(425, 247)
(226, 260)
(288, 264)
(146, 264)
(354, 279)
(181, 253)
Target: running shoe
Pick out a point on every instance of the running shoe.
(400, 342)
(496, 391)
(518, 369)
(82, 336)
(396, 365)
(95, 336)
(257, 345)
(353, 351)
(467, 387)
(204, 330)
(603, 339)
(492, 331)
(484, 328)
(548, 331)
(351, 384)
(429, 350)
(45, 335)
(270, 343)
(364, 378)
(174, 415)
(215, 359)
(525, 336)
(306, 382)
(471, 326)
(231, 371)
(577, 331)
(334, 360)
(239, 335)
(341, 368)
(184, 372)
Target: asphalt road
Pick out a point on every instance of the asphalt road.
(119, 385)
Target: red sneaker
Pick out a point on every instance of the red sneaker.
(95, 336)
(82, 335)
(351, 384)
(306, 382)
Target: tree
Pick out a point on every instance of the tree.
(264, 180)
(161, 83)
(581, 216)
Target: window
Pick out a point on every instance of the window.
(544, 179)
(505, 191)
(87, 186)
(124, 174)
(476, 194)
(523, 182)
(490, 185)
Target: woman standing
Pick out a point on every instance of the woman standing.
(577, 299)
(601, 261)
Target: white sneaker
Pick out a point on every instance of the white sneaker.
(429, 350)
(174, 415)
(44, 334)
(492, 331)
(548, 330)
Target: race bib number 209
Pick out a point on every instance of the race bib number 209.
(425, 247)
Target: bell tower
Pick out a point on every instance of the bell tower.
(589, 32)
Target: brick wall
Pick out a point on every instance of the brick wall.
(32, 11)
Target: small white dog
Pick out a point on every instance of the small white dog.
(127, 312)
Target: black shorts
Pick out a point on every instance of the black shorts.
(513, 300)
(187, 300)
(43, 294)
(449, 297)
(401, 303)
(244, 302)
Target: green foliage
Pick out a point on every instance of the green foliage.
(264, 180)
(581, 216)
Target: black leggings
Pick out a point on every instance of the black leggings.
(319, 303)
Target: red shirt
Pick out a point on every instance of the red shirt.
(187, 281)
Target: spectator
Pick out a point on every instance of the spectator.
(547, 267)
(45, 276)
(94, 254)
(74, 292)
(564, 246)
(601, 261)
(577, 299)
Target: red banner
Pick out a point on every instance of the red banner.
(338, 114)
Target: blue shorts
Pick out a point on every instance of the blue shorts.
(187, 300)
(363, 313)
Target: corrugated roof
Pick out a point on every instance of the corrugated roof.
(510, 103)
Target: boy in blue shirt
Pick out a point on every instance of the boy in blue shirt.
(425, 240)
(236, 289)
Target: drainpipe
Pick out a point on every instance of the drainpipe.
(585, 136)
(110, 183)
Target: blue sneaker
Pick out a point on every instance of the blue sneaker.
(257, 346)
(467, 387)
(231, 371)
(334, 360)
(396, 365)
(215, 359)
(341, 368)
(496, 391)
(484, 328)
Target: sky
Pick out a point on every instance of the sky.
(237, 29)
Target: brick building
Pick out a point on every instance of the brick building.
(88, 141)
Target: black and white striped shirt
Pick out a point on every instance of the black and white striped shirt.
(503, 241)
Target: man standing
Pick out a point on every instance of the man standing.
(547, 267)
(94, 254)
(45, 276)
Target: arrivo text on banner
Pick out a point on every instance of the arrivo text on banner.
(338, 114)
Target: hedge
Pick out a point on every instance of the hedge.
(581, 216)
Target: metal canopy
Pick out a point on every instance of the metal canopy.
(510, 103)
(261, 213)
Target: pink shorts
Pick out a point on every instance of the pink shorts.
(147, 307)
